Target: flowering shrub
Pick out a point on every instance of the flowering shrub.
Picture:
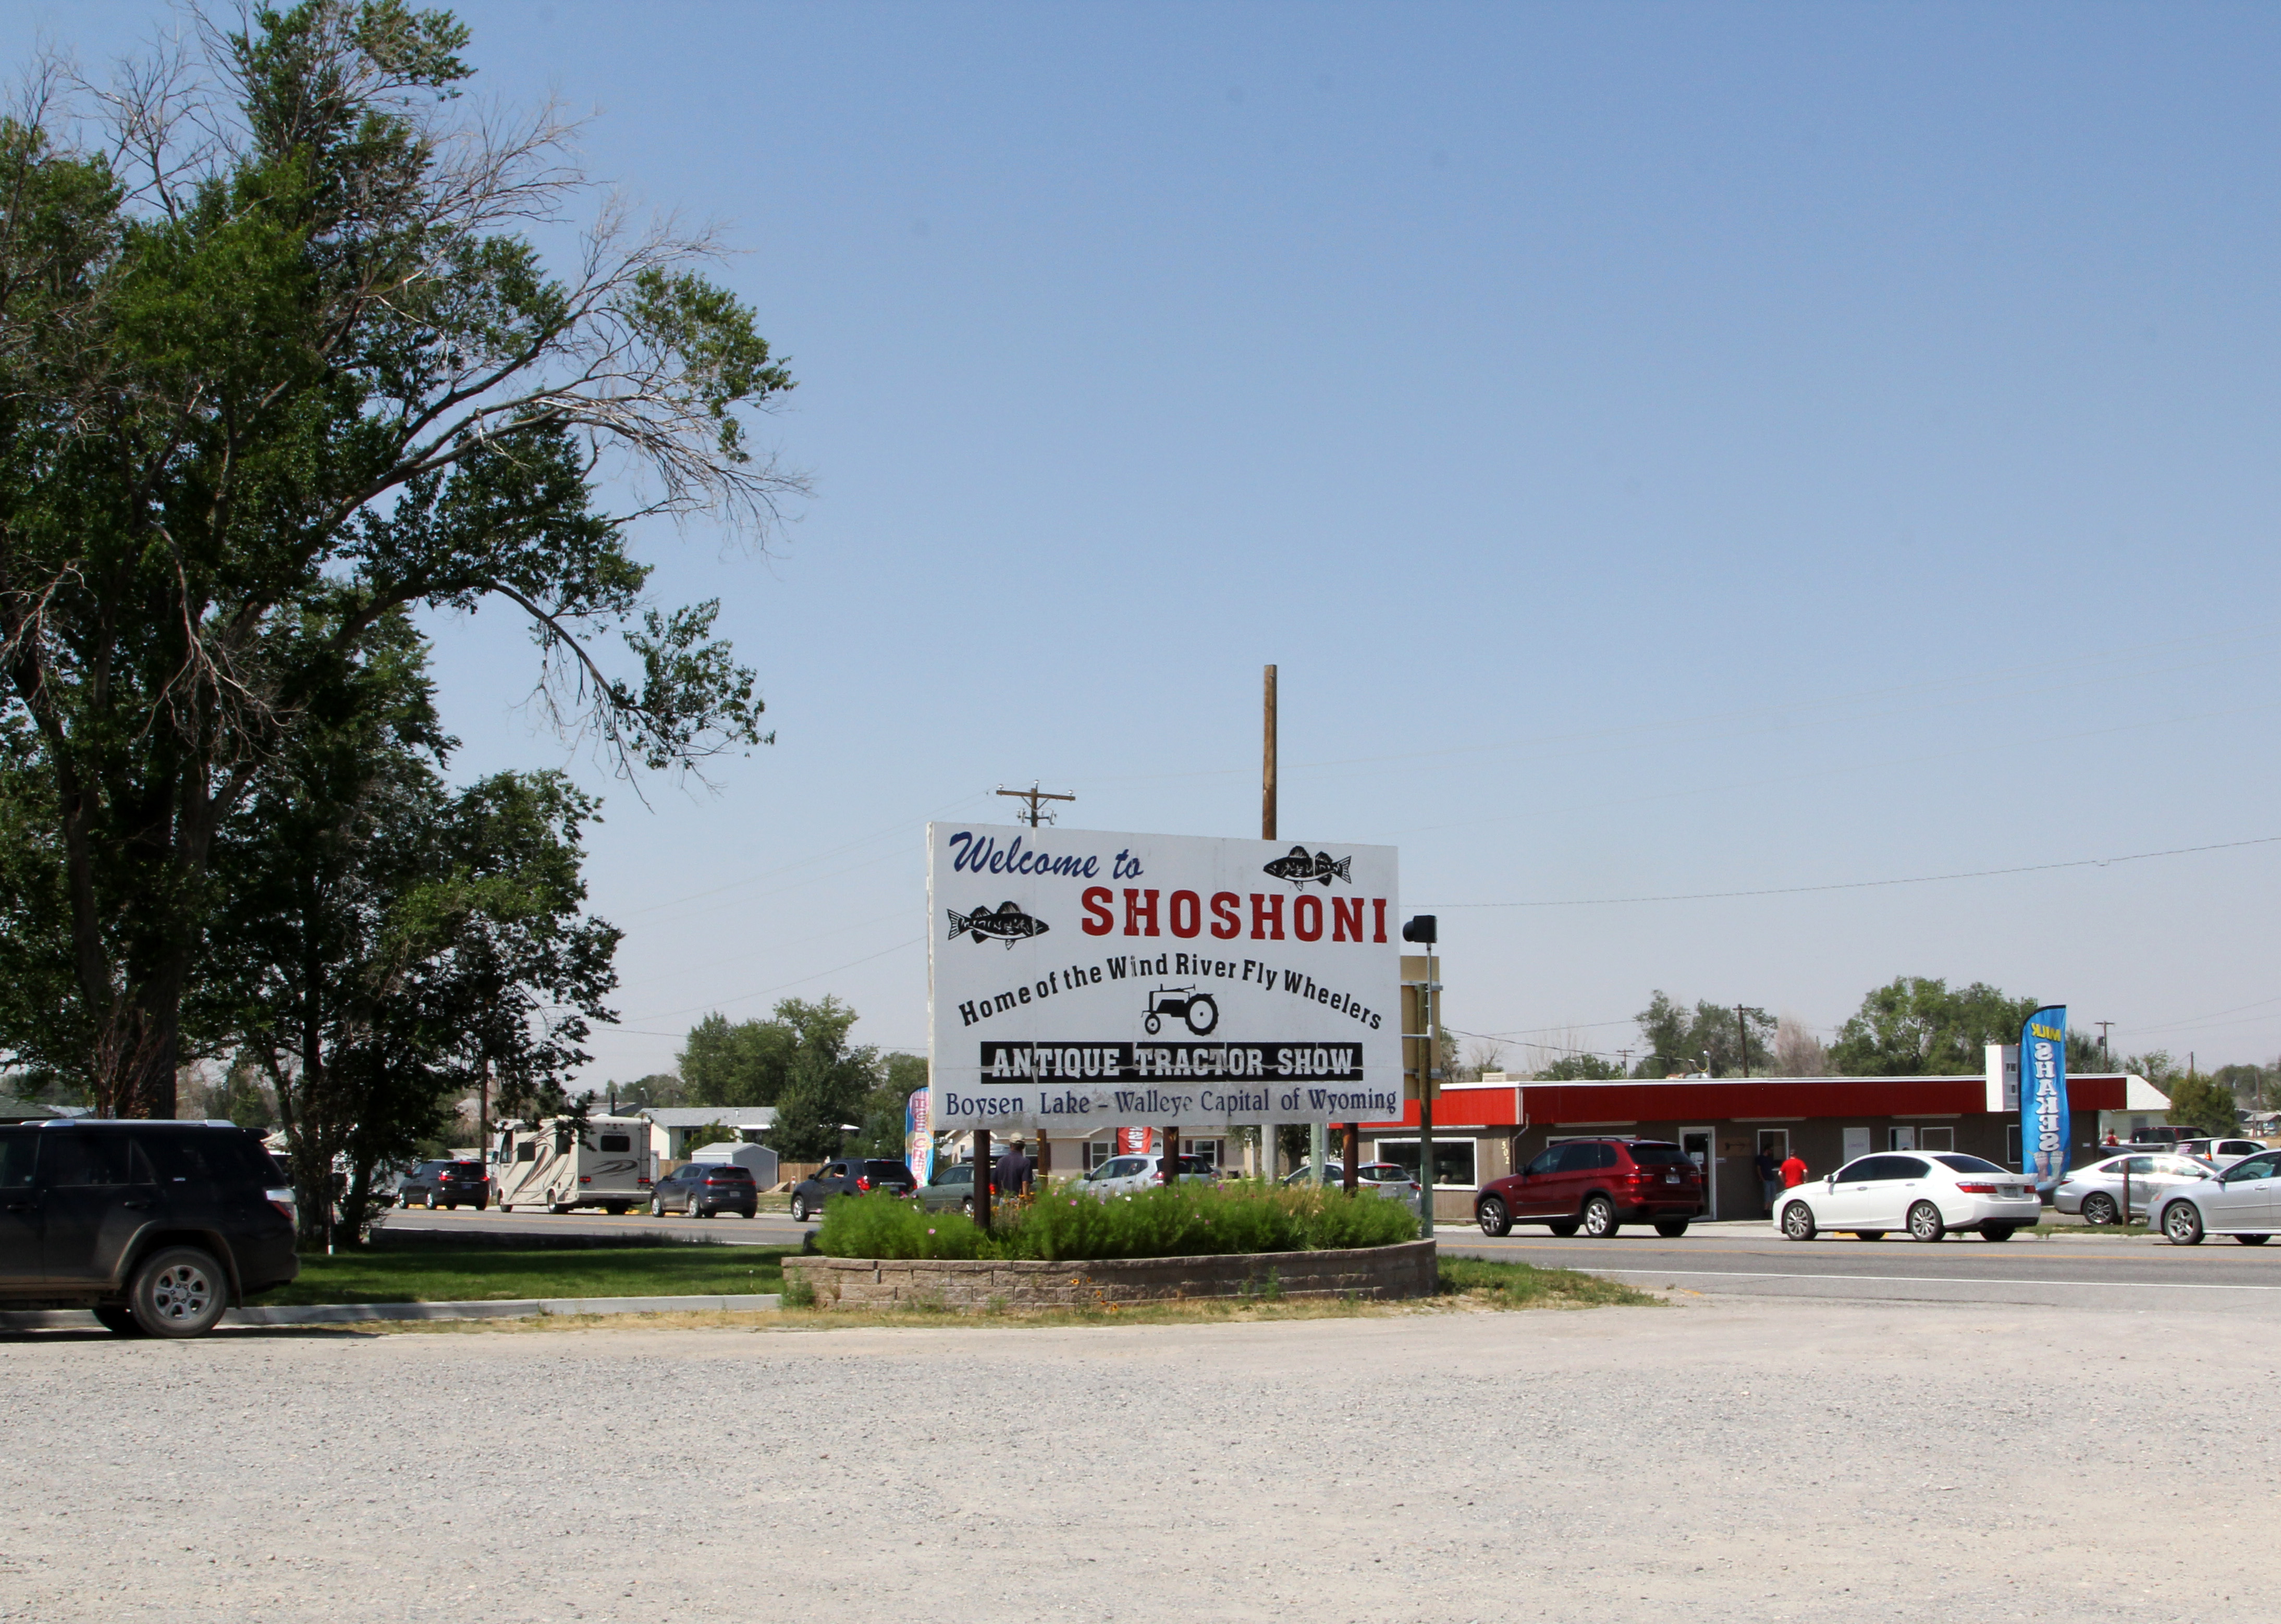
(1184, 1221)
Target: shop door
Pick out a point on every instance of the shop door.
(1699, 1143)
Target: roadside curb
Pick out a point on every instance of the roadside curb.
(352, 1313)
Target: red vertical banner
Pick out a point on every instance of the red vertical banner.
(1135, 1141)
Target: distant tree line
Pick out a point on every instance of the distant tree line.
(1914, 1025)
(800, 1061)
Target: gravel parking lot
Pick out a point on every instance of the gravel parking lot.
(1724, 1459)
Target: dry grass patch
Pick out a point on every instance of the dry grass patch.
(1479, 1283)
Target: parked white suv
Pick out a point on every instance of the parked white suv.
(2221, 1152)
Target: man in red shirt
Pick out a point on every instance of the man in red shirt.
(1793, 1171)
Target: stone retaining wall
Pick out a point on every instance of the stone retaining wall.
(1377, 1273)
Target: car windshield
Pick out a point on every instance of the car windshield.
(730, 1175)
(468, 1170)
(1968, 1165)
(1659, 1156)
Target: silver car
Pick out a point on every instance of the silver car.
(1390, 1180)
(1128, 1175)
(2096, 1191)
(2244, 1201)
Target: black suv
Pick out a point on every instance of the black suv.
(445, 1184)
(703, 1189)
(849, 1176)
(158, 1227)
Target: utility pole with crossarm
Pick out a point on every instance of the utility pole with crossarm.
(1036, 815)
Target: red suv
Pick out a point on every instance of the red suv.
(1596, 1186)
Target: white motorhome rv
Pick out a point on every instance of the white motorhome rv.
(544, 1165)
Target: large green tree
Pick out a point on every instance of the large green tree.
(2200, 1101)
(1580, 1068)
(1678, 1039)
(737, 1062)
(274, 367)
(393, 943)
(1919, 1026)
(799, 1060)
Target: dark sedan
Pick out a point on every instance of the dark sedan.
(445, 1184)
(703, 1189)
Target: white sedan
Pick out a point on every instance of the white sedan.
(1928, 1193)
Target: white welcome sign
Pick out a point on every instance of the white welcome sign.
(1079, 980)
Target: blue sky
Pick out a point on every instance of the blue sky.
(1666, 450)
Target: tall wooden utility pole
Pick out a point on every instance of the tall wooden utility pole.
(1267, 832)
(1743, 1030)
(1267, 775)
(1033, 795)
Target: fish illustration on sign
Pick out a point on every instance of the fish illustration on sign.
(1299, 868)
(1008, 924)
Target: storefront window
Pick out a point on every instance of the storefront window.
(1453, 1159)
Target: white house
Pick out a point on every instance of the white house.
(671, 1126)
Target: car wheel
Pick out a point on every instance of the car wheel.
(799, 1209)
(431, 1200)
(483, 1205)
(1494, 1219)
(1995, 1232)
(118, 1321)
(1564, 1228)
(2252, 1240)
(2182, 1222)
(656, 1207)
(1600, 1218)
(1671, 1229)
(1868, 1234)
(1925, 1222)
(451, 1206)
(179, 1291)
(1797, 1221)
(2099, 1208)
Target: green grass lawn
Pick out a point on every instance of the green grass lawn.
(427, 1274)
(1519, 1285)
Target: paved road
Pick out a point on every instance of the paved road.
(2073, 1271)
(2069, 1271)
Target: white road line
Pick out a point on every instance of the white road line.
(1931, 1279)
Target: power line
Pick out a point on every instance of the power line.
(1866, 884)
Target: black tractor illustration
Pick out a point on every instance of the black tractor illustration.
(1183, 1003)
